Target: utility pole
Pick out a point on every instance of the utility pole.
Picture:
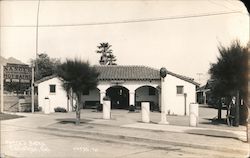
(35, 64)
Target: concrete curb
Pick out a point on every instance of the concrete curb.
(135, 140)
(189, 130)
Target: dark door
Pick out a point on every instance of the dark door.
(119, 97)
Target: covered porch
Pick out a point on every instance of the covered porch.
(125, 86)
(124, 95)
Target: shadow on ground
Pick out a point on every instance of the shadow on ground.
(71, 121)
(4, 116)
(213, 121)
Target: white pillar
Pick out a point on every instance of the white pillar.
(163, 102)
(131, 98)
(2, 88)
(193, 114)
(145, 111)
(46, 105)
(106, 109)
(102, 95)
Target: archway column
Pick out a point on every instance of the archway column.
(131, 97)
(102, 95)
(102, 90)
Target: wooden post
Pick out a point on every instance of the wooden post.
(219, 109)
(237, 114)
(185, 104)
(247, 128)
(32, 91)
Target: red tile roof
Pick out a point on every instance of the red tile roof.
(122, 72)
(188, 79)
(119, 72)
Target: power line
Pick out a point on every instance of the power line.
(130, 21)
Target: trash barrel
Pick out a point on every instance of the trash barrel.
(193, 114)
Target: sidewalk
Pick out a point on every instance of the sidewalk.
(127, 127)
(123, 118)
(146, 134)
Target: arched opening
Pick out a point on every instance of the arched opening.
(147, 94)
(119, 97)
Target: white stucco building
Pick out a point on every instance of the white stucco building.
(127, 86)
(51, 94)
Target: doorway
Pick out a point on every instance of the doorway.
(119, 97)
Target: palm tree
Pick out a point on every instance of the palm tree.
(79, 77)
(107, 57)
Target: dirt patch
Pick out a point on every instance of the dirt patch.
(4, 116)
(72, 121)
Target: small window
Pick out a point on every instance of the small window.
(52, 88)
(151, 91)
(179, 89)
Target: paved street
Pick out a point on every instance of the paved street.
(39, 135)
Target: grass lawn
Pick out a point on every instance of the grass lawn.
(4, 116)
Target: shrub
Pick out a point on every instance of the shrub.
(60, 109)
(40, 108)
(106, 98)
(131, 108)
(99, 107)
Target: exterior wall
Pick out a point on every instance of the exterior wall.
(175, 102)
(57, 99)
(137, 91)
(93, 96)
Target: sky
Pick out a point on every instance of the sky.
(181, 35)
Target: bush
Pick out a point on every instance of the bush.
(99, 107)
(131, 108)
(106, 98)
(40, 108)
(60, 109)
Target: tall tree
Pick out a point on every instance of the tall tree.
(45, 66)
(80, 77)
(107, 56)
(229, 72)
